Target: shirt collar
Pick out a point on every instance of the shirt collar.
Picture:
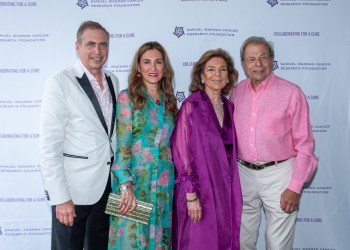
(93, 79)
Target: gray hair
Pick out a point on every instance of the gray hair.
(89, 25)
(257, 40)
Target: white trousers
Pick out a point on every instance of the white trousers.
(263, 188)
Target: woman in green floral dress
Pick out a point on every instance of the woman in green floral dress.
(143, 169)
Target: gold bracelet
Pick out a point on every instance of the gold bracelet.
(195, 199)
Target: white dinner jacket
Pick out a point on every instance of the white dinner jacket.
(75, 146)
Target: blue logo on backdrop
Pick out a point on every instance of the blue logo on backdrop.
(275, 65)
(205, 31)
(82, 3)
(180, 96)
(272, 2)
(109, 3)
(179, 31)
(0, 231)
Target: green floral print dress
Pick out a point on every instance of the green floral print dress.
(149, 166)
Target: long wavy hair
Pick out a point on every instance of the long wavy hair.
(198, 69)
(165, 85)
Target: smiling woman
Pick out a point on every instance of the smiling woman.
(144, 170)
(207, 196)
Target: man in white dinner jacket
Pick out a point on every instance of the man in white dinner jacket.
(77, 143)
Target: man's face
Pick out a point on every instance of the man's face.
(93, 49)
(257, 63)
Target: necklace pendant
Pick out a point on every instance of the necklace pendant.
(158, 102)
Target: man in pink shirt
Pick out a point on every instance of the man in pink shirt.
(275, 147)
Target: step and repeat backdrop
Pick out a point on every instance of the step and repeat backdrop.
(312, 43)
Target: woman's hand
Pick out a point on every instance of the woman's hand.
(128, 199)
(194, 207)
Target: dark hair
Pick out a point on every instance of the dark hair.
(198, 69)
(165, 86)
(89, 25)
(257, 40)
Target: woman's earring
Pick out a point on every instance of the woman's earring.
(202, 81)
(138, 74)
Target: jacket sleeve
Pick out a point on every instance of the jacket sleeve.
(53, 120)
(181, 149)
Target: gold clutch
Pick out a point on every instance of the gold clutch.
(141, 214)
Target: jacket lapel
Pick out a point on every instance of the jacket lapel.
(231, 110)
(85, 84)
(114, 102)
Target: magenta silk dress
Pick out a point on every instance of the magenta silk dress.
(204, 155)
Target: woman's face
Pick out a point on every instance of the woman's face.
(151, 66)
(215, 74)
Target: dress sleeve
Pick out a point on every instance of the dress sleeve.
(305, 162)
(122, 165)
(181, 149)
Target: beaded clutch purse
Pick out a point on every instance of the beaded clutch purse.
(141, 214)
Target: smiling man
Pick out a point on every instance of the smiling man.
(77, 143)
(275, 147)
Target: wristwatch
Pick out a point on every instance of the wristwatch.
(124, 188)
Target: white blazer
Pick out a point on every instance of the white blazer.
(75, 146)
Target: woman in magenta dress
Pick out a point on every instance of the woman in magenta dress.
(207, 198)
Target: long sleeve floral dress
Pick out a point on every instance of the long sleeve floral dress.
(149, 166)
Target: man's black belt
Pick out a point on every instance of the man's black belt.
(259, 166)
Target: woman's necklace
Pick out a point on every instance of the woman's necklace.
(219, 111)
(218, 106)
(155, 97)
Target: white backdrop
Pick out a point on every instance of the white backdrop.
(312, 43)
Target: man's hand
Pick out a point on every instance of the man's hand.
(65, 213)
(289, 201)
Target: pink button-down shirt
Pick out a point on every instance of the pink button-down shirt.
(272, 124)
(104, 96)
